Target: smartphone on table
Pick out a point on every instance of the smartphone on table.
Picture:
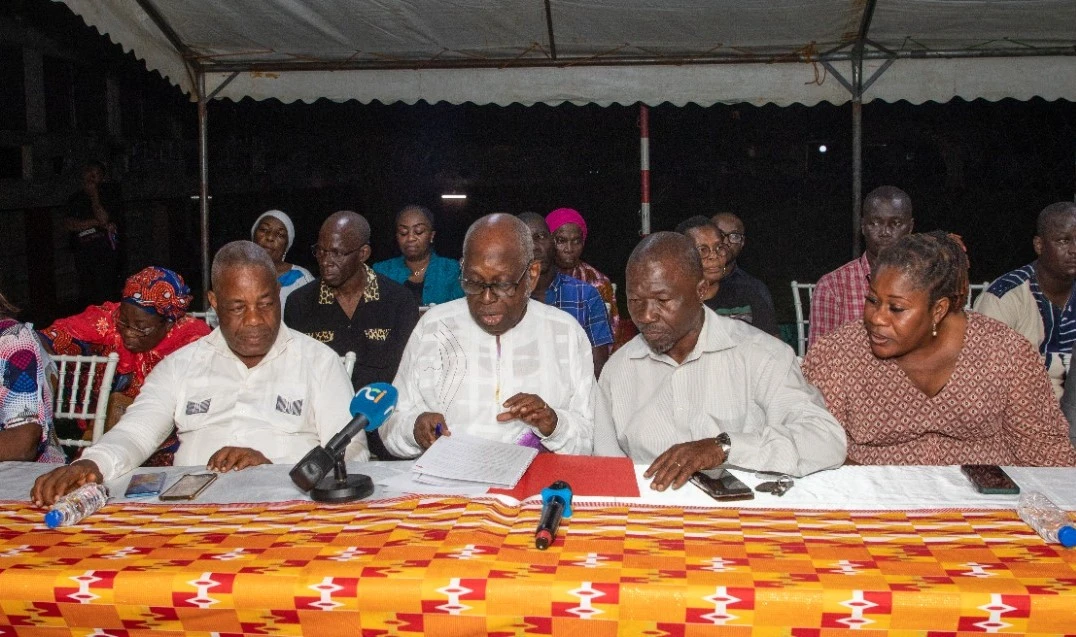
(990, 478)
(189, 486)
(145, 485)
(721, 485)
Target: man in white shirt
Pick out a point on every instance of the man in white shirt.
(496, 363)
(249, 393)
(695, 390)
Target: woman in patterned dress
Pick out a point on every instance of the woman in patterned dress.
(26, 431)
(921, 381)
(149, 323)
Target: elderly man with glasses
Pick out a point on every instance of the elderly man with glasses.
(351, 308)
(496, 364)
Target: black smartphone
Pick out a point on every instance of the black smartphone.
(721, 485)
(189, 486)
(144, 485)
(990, 478)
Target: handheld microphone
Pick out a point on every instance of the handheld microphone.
(370, 407)
(556, 503)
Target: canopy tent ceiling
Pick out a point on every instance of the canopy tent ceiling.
(600, 51)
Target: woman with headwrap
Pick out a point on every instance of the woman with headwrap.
(569, 235)
(275, 233)
(148, 323)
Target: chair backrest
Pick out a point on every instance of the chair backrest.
(82, 389)
(976, 290)
(349, 362)
(209, 316)
(802, 321)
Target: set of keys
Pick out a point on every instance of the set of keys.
(777, 487)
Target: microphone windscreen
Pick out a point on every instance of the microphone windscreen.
(312, 468)
(376, 401)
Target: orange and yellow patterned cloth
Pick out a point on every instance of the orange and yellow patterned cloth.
(457, 566)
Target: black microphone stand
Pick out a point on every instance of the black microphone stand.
(340, 487)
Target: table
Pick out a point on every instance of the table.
(405, 564)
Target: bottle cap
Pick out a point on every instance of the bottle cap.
(53, 518)
(1066, 535)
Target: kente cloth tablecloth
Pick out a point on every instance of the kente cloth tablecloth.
(458, 566)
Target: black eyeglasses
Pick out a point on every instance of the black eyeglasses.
(733, 237)
(125, 326)
(500, 289)
(332, 255)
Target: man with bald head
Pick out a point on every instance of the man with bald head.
(252, 392)
(838, 296)
(695, 391)
(495, 364)
(1039, 299)
(351, 308)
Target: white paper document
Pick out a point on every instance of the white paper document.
(473, 459)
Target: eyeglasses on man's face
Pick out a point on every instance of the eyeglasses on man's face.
(731, 237)
(500, 289)
(332, 255)
(709, 251)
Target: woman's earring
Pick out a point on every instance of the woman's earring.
(934, 329)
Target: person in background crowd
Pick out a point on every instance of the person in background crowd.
(713, 253)
(1039, 299)
(695, 390)
(149, 323)
(351, 308)
(496, 364)
(92, 216)
(26, 431)
(741, 295)
(575, 297)
(569, 235)
(430, 277)
(920, 381)
(274, 231)
(248, 394)
(838, 297)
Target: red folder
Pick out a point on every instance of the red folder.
(588, 475)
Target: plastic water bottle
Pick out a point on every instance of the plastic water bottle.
(1049, 521)
(75, 506)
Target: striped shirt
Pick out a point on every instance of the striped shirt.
(1016, 300)
(582, 301)
(738, 380)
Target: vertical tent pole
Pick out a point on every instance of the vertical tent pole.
(857, 152)
(203, 174)
(644, 168)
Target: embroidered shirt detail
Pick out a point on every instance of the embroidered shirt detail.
(377, 333)
(370, 292)
(292, 407)
(199, 407)
(325, 336)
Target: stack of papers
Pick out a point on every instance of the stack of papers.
(463, 459)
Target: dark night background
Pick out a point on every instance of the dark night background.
(980, 169)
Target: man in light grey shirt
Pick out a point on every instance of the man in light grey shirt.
(695, 390)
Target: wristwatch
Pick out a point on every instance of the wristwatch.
(725, 443)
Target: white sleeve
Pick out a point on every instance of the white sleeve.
(574, 433)
(144, 426)
(605, 438)
(331, 391)
(398, 432)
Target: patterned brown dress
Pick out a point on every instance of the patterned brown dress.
(997, 407)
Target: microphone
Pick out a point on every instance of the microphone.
(370, 407)
(556, 503)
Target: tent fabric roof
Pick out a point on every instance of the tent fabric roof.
(599, 51)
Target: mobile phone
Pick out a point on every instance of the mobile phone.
(721, 485)
(144, 485)
(189, 486)
(990, 478)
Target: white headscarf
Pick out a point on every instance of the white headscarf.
(280, 216)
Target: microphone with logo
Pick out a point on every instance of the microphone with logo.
(370, 407)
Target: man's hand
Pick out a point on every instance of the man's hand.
(532, 410)
(60, 481)
(676, 465)
(429, 426)
(235, 459)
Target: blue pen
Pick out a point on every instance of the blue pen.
(437, 430)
